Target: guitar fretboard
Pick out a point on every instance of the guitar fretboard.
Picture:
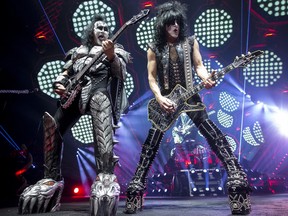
(96, 57)
(201, 86)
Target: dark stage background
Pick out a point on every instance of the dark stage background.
(249, 105)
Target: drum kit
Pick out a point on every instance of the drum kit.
(189, 155)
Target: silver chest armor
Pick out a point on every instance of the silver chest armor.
(97, 75)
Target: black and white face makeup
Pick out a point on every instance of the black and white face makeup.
(172, 30)
(101, 32)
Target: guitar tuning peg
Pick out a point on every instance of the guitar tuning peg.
(242, 55)
(249, 53)
(236, 57)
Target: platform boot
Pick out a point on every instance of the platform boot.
(137, 186)
(105, 190)
(237, 184)
(45, 195)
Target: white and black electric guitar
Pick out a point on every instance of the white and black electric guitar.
(76, 82)
(162, 120)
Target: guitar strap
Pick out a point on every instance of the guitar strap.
(187, 64)
(165, 69)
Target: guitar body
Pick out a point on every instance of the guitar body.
(163, 120)
(179, 95)
(73, 87)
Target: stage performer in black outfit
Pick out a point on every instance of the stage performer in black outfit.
(173, 57)
(103, 97)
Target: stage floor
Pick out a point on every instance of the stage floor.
(262, 205)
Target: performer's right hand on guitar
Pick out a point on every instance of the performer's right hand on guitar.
(58, 85)
(59, 89)
(166, 104)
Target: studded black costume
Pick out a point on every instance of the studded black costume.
(174, 63)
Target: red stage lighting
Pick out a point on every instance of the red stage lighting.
(76, 191)
(270, 33)
(147, 4)
(41, 35)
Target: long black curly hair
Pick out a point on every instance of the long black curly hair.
(88, 33)
(167, 13)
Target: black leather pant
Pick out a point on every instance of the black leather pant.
(237, 183)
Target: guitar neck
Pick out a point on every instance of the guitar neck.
(79, 75)
(201, 86)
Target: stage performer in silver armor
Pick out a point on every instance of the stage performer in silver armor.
(173, 57)
(103, 97)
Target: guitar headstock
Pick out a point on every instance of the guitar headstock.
(138, 17)
(244, 60)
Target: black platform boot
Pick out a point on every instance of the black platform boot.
(237, 185)
(136, 188)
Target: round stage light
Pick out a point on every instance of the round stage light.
(86, 10)
(225, 119)
(228, 102)
(213, 27)
(145, 32)
(82, 130)
(275, 8)
(47, 75)
(254, 137)
(266, 71)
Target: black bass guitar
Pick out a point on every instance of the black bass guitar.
(76, 82)
(162, 120)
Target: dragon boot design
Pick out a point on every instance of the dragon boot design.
(45, 195)
(105, 189)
